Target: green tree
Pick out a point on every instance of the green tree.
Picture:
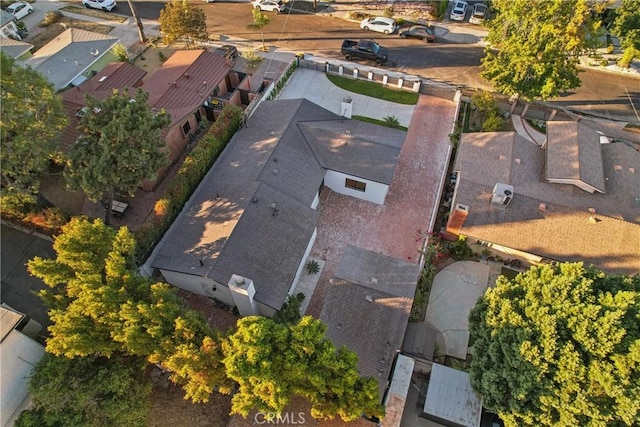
(260, 20)
(559, 346)
(32, 116)
(120, 147)
(290, 311)
(88, 391)
(100, 306)
(273, 362)
(180, 21)
(627, 26)
(534, 49)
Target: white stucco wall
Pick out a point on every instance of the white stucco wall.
(303, 261)
(375, 192)
(199, 285)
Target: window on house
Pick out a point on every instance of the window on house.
(186, 127)
(355, 185)
(198, 116)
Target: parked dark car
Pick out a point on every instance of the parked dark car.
(365, 49)
(422, 32)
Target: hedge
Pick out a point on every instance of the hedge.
(192, 171)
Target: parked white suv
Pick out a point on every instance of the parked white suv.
(458, 11)
(270, 5)
(106, 5)
(379, 24)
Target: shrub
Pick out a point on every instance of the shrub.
(610, 48)
(460, 249)
(48, 220)
(121, 52)
(253, 59)
(162, 56)
(312, 266)
(627, 57)
(454, 137)
(51, 18)
(392, 121)
(388, 12)
(193, 169)
(492, 123)
(358, 15)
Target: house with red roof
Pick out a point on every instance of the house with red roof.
(192, 86)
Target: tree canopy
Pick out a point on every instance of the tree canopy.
(32, 116)
(88, 391)
(559, 346)
(534, 48)
(119, 148)
(99, 306)
(180, 21)
(272, 362)
(627, 24)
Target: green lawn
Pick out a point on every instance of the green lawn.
(378, 122)
(374, 90)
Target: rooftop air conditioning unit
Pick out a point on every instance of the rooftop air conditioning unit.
(502, 195)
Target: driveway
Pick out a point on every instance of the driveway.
(18, 286)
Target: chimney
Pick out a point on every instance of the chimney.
(242, 292)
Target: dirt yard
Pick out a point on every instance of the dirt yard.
(40, 36)
(169, 409)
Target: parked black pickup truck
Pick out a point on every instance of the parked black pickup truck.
(366, 49)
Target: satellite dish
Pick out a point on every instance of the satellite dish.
(94, 51)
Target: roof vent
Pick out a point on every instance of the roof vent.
(103, 78)
(369, 298)
(275, 171)
(542, 207)
(374, 280)
(254, 199)
(94, 52)
(592, 210)
(502, 195)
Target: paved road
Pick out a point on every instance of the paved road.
(18, 286)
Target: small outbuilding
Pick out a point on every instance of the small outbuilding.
(450, 399)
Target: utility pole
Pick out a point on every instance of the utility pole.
(143, 38)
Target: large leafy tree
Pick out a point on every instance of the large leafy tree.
(88, 391)
(32, 116)
(272, 362)
(180, 21)
(119, 148)
(559, 346)
(534, 48)
(627, 24)
(100, 306)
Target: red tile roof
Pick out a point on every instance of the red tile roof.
(185, 81)
(115, 76)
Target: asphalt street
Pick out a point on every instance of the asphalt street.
(454, 59)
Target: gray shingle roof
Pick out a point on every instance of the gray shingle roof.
(573, 152)
(551, 220)
(70, 54)
(369, 316)
(222, 231)
(14, 48)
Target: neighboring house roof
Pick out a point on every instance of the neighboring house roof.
(573, 153)
(5, 18)
(451, 399)
(18, 355)
(557, 221)
(251, 214)
(367, 309)
(115, 76)
(185, 81)
(70, 54)
(14, 48)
